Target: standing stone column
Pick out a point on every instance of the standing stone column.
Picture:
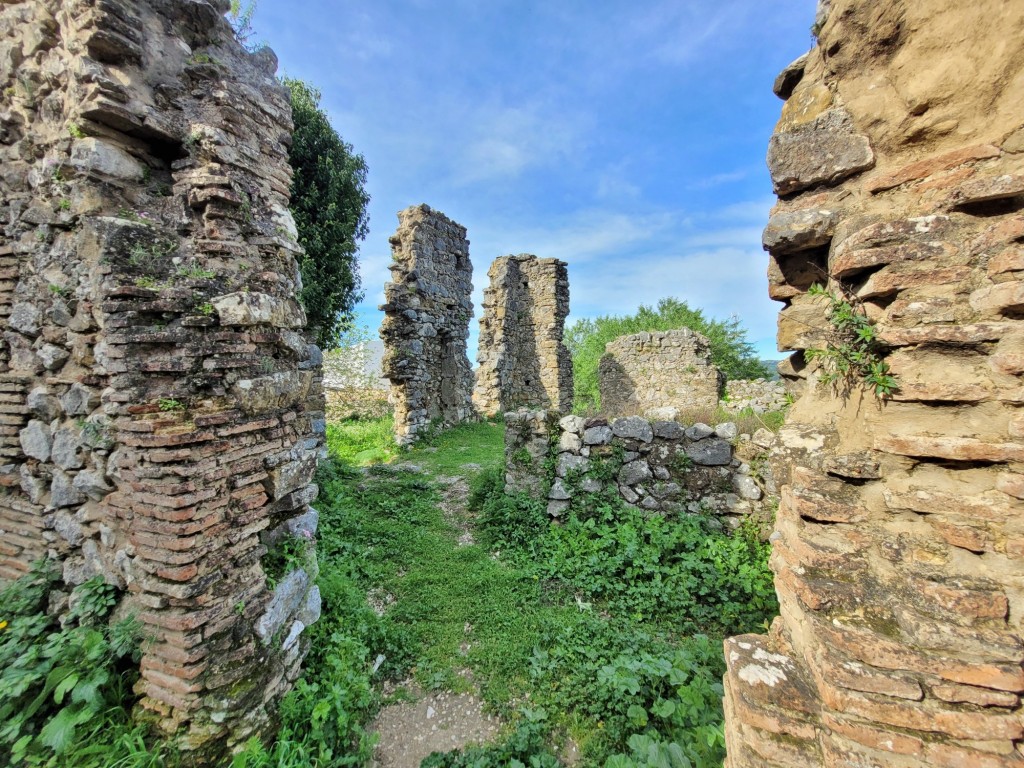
(161, 413)
(899, 544)
(427, 311)
(523, 360)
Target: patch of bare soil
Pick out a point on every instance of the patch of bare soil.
(454, 496)
(434, 722)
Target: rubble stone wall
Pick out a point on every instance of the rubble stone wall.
(522, 358)
(659, 466)
(427, 311)
(899, 548)
(160, 410)
(660, 369)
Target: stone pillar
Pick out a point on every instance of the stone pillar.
(899, 550)
(523, 360)
(656, 371)
(161, 409)
(427, 310)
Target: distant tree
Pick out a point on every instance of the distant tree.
(586, 339)
(329, 202)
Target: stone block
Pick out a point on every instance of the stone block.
(825, 150)
(710, 452)
(633, 428)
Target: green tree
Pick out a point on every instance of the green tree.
(586, 339)
(329, 202)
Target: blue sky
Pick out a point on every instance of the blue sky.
(626, 138)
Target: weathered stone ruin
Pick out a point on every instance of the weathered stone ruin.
(523, 360)
(899, 548)
(757, 395)
(658, 466)
(161, 410)
(427, 311)
(657, 370)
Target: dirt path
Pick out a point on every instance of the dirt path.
(438, 721)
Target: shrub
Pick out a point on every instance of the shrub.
(328, 202)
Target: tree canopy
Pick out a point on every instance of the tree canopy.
(586, 339)
(329, 201)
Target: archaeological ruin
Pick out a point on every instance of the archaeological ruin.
(655, 370)
(427, 311)
(161, 409)
(898, 551)
(523, 361)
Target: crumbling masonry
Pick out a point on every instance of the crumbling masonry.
(427, 311)
(646, 372)
(160, 410)
(523, 361)
(899, 544)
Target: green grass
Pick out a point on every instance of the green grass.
(445, 453)
(362, 441)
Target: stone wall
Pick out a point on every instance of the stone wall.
(660, 369)
(427, 311)
(899, 548)
(160, 410)
(659, 466)
(757, 395)
(523, 361)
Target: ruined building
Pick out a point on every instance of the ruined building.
(427, 311)
(659, 370)
(899, 547)
(161, 411)
(523, 361)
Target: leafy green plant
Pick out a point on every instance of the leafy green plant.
(64, 204)
(287, 555)
(76, 131)
(170, 405)
(852, 355)
(59, 679)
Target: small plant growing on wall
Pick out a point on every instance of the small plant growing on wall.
(852, 354)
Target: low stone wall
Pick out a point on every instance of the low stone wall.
(660, 466)
(661, 369)
(757, 395)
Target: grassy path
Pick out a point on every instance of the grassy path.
(603, 631)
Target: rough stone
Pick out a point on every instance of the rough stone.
(25, 318)
(635, 472)
(794, 231)
(633, 428)
(574, 424)
(63, 492)
(746, 487)
(79, 400)
(105, 160)
(727, 430)
(67, 448)
(710, 452)
(699, 431)
(671, 430)
(43, 404)
(788, 78)
(599, 435)
(36, 441)
(289, 595)
(826, 150)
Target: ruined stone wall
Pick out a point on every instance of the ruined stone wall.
(660, 369)
(899, 547)
(427, 311)
(160, 410)
(523, 360)
(659, 466)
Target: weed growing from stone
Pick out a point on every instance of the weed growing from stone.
(852, 354)
(170, 405)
